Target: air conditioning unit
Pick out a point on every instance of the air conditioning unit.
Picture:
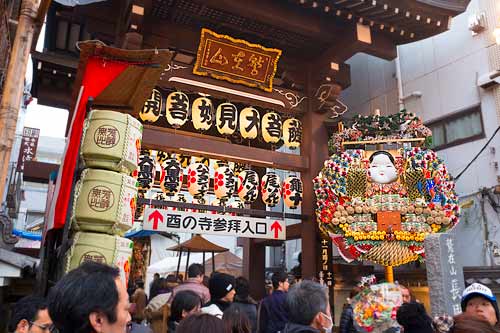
(489, 80)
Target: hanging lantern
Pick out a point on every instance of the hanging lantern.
(139, 210)
(162, 156)
(236, 204)
(184, 160)
(162, 197)
(171, 177)
(198, 180)
(202, 160)
(292, 133)
(199, 201)
(271, 127)
(249, 123)
(177, 108)
(270, 189)
(292, 192)
(202, 113)
(224, 183)
(151, 111)
(220, 163)
(226, 118)
(146, 171)
(238, 167)
(248, 186)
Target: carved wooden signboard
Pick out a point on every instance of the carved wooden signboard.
(235, 60)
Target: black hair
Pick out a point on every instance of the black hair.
(278, 277)
(242, 288)
(185, 300)
(236, 321)
(201, 323)
(305, 300)
(413, 317)
(139, 284)
(26, 308)
(195, 270)
(86, 289)
(382, 152)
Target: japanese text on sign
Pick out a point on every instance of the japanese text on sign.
(214, 224)
(237, 61)
(29, 144)
(455, 290)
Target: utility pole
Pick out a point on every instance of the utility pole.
(14, 84)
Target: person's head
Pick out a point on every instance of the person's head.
(236, 321)
(405, 294)
(196, 271)
(90, 299)
(221, 286)
(467, 323)
(201, 323)
(479, 301)
(171, 282)
(30, 315)
(156, 276)
(185, 302)
(242, 288)
(280, 281)
(139, 284)
(382, 168)
(307, 304)
(413, 317)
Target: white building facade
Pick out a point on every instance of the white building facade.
(449, 81)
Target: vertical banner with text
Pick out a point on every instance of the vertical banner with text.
(29, 144)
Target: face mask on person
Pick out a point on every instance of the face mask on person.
(329, 327)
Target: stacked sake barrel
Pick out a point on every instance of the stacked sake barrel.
(105, 196)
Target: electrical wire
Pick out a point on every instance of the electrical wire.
(477, 155)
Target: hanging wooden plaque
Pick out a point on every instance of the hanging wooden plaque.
(225, 58)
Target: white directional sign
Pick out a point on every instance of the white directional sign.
(214, 224)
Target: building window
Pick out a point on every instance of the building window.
(458, 128)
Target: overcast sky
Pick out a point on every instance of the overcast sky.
(50, 121)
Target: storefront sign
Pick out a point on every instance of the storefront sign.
(236, 60)
(29, 144)
(213, 224)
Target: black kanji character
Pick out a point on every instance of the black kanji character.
(205, 223)
(228, 116)
(220, 224)
(248, 228)
(179, 106)
(274, 125)
(234, 225)
(173, 221)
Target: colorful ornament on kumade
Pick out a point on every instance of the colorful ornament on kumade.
(379, 206)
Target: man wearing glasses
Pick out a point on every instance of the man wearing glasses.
(30, 315)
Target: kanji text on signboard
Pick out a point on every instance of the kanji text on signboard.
(214, 224)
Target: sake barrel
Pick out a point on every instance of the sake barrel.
(105, 201)
(111, 140)
(107, 249)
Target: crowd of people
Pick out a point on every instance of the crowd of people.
(93, 299)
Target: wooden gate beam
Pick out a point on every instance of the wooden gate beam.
(194, 144)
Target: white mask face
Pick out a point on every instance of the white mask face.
(382, 170)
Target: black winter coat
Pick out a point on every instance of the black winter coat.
(347, 320)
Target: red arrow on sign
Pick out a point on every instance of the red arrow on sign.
(155, 216)
(276, 226)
